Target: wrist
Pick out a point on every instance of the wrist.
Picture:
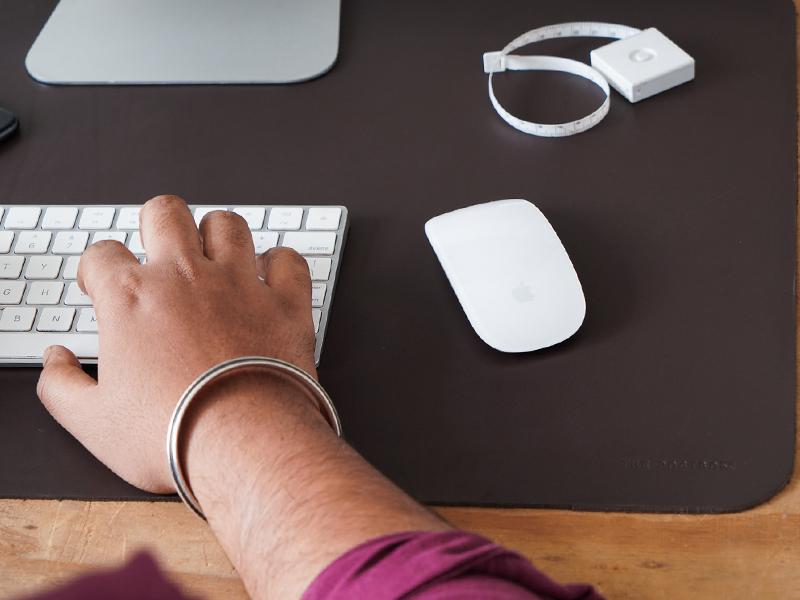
(270, 474)
(235, 424)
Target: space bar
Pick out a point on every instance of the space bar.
(31, 345)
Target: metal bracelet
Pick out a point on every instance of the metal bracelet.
(297, 374)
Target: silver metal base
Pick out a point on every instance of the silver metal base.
(186, 41)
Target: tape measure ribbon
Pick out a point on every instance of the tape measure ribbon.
(503, 60)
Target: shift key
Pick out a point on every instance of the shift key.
(308, 242)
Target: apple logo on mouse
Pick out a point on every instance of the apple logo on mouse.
(522, 293)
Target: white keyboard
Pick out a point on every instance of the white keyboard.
(40, 246)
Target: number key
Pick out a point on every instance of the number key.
(96, 217)
(285, 218)
(23, 217)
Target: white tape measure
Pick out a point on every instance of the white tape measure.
(639, 65)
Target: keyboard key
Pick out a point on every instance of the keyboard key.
(32, 242)
(17, 319)
(320, 268)
(70, 242)
(264, 240)
(199, 213)
(285, 218)
(29, 346)
(323, 218)
(59, 217)
(11, 266)
(316, 315)
(56, 319)
(11, 292)
(75, 297)
(43, 267)
(119, 236)
(87, 321)
(96, 217)
(135, 244)
(318, 294)
(71, 268)
(23, 217)
(6, 239)
(128, 218)
(45, 292)
(310, 242)
(254, 215)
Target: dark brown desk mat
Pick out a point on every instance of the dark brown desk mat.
(678, 393)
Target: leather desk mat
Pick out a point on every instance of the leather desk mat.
(678, 393)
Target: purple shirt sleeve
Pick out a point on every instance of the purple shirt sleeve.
(420, 565)
(138, 579)
(438, 566)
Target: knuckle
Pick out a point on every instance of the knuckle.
(292, 256)
(101, 275)
(129, 281)
(187, 268)
(302, 279)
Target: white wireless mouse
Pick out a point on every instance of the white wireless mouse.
(510, 273)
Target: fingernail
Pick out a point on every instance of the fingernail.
(46, 355)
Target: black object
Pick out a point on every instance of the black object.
(8, 123)
(678, 394)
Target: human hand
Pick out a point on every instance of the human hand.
(197, 302)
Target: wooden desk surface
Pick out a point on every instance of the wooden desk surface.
(753, 554)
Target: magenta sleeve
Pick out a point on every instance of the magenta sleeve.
(419, 565)
(438, 566)
(138, 579)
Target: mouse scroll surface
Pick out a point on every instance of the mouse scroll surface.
(510, 273)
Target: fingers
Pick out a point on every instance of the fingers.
(63, 386)
(104, 264)
(285, 270)
(227, 239)
(168, 229)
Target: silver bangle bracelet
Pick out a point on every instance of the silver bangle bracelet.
(297, 374)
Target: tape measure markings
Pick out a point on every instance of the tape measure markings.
(496, 62)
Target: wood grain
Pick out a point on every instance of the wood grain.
(753, 554)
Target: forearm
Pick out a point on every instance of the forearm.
(283, 494)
